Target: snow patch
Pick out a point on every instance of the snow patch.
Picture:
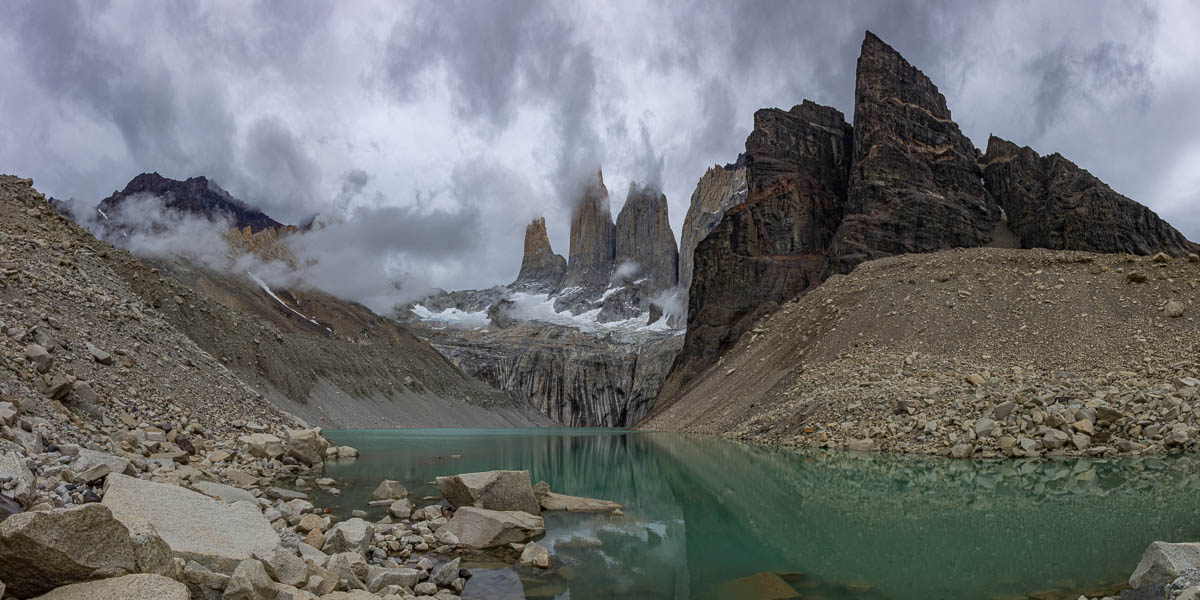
(262, 284)
(453, 317)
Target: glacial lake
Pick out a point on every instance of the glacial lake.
(701, 511)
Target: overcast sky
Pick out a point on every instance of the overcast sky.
(455, 123)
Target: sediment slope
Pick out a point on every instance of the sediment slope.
(968, 352)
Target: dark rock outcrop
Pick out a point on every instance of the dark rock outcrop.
(774, 245)
(541, 268)
(196, 196)
(645, 244)
(1052, 203)
(915, 183)
(593, 239)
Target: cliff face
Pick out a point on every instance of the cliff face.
(1052, 203)
(823, 197)
(541, 268)
(915, 183)
(644, 239)
(719, 189)
(774, 245)
(593, 239)
(196, 196)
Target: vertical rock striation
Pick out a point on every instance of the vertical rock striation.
(915, 184)
(541, 269)
(644, 239)
(593, 239)
(1052, 203)
(774, 245)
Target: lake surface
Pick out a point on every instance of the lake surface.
(702, 511)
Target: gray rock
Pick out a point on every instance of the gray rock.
(217, 535)
(389, 490)
(381, 577)
(553, 501)
(99, 355)
(306, 445)
(249, 581)
(129, 587)
(13, 468)
(1004, 409)
(446, 574)
(89, 458)
(262, 445)
(222, 492)
(1055, 439)
(41, 359)
(151, 552)
(425, 589)
(535, 555)
(284, 566)
(400, 509)
(353, 535)
(42, 550)
(482, 528)
(492, 490)
(1163, 562)
(286, 494)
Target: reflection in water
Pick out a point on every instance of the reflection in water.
(701, 511)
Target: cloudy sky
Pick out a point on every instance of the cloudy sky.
(447, 125)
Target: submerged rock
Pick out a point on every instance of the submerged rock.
(553, 501)
(482, 528)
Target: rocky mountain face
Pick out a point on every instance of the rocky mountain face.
(196, 196)
(1052, 203)
(718, 189)
(645, 244)
(593, 239)
(541, 268)
(823, 197)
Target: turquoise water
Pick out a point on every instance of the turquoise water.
(701, 511)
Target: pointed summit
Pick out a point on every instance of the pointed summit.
(644, 238)
(593, 238)
(541, 268)
(915, 184)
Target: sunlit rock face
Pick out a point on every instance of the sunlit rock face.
(541, 268)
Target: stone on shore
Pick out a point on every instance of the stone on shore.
(446, 574)
(353, 535)
(553, 501)
(483, 528)
(17, 473)
(491, 490)
(1163, 562)
(401, 509)
(216, 535)
(262, 445)
(306, 445)
(249, 581)
(42, 550)
(535, 555)
(284, 566)
(222, 492)
(381, 577)
(145, 586)
(389, 490)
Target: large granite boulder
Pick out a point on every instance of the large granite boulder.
(1052, 203)
(590, 261)
(216, 535)
(306, 445)
(42, 550)
(493, 490)
(262, 445)
(645, 243)
(915, 183)
(389, 489)
(353, 535)
(129, 587)
(482, 528)
(1163, 562)
(541, 269)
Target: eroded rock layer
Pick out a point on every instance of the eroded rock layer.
(1052, 203)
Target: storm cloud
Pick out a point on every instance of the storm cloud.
(427, 134)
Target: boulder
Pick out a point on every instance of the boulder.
(41, 359)
(306, 445)
(401, 509)
(216, 535)
(351, 566)
(262, 445)
(249, 581)
(99, 355)
(151, 553)
(389, 490)
(1163, 562)
(353, 535)
(381, 577)
(446, 574)
(129, 587)
(222, 492)
(202, 583)
(14, 469)
(42, 550)
(535, 555)
(284, 566)
(553, 501)
(492, 490)
(483, 528)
